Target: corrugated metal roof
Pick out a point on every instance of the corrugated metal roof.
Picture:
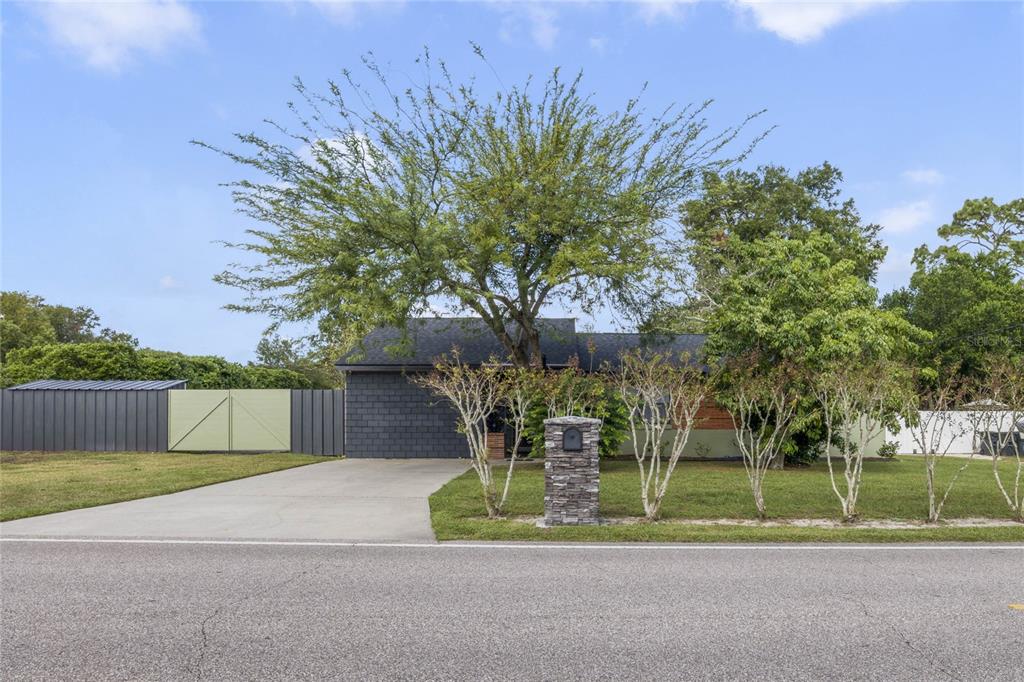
(114, 385)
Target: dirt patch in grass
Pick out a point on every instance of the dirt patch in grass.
(890, 524)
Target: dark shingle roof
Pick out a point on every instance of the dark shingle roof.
(108, 385)
(598, 348)
(427, 339)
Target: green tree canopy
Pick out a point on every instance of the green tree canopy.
(27, 320)
(23, 322)
(785, 302)
(383, 203)
(107, 360)
(969, 291)
(283, 353)
(742, 207)
(785, 299)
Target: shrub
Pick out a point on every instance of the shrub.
(570, 392)
(99, 361)
(888, 449)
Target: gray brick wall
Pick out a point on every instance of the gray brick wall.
(387, 416)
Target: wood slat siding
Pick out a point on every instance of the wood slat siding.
(712, 417)
(93, 421)
(318, 421)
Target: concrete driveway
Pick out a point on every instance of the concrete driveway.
(350, 499)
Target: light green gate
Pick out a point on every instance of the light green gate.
(231, 420)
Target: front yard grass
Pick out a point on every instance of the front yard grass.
(891, 490)
(33, 483)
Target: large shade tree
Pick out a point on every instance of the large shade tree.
(386, 201)
(786, 301)
(27, 320)
(741, 207)
(969, 291)
(781, 268)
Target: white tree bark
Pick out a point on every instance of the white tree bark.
(854, 401)
(1004, 429)
(475, 393)
(521, 390)
(762, 410)
(660, 392)
(934, 427)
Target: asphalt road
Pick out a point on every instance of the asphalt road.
(102, 611)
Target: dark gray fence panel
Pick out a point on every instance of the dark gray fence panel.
(6, 419)
(97, 421)
(329, 430)
(318, 421)
(338, 410)
(130, 423)
(58, 425)
(38, 420)
(80, 421)
(160, 432)
(296, 445)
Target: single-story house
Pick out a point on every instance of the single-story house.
(388, 416)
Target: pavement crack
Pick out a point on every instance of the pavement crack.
(922, 655)
(204, 639)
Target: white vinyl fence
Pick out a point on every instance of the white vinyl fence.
(958, 430)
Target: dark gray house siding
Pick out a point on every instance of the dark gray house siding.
(387, 416)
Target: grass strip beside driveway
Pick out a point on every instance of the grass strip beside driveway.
(719, 490)
(34, 483)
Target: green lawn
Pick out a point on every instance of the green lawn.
(716, 490)
(33, 483)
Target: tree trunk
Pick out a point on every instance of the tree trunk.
(533, 352)
(779, 460)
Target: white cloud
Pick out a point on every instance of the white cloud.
(109, 34)
(340, 11)
(540, 20)
(598, 43)
(803, 22)
(906, 217)
(337, 148)
(653, 11)
(924, 176)
(167, 283)
(897, 262)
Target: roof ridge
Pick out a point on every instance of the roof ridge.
(643, 334)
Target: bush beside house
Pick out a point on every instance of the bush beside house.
(99, 360)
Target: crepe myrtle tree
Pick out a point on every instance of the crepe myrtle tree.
(521, 391)
(384, 200)
(786, 301)
(662, 395)
(475, 393)
(857, 402)
(762, 397)
(933, 416)
(1000, 430)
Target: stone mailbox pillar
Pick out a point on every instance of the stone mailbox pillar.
(571, 471)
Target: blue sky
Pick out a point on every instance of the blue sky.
(106, 204)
